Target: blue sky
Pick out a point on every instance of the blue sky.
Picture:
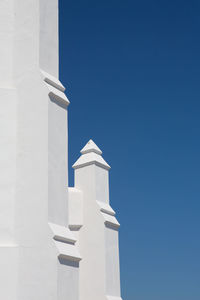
(132, 73)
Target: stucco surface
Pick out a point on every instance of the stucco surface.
(56, 242)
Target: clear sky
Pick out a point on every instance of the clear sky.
(132, 73)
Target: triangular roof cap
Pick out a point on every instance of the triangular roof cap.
(91, 154)
(91, 147)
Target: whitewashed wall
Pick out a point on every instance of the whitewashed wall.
(46, 228)
(38, 259)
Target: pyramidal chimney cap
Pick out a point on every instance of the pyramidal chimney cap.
(91, 154)
(91, 147)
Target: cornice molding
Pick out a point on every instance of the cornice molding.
(55, 87)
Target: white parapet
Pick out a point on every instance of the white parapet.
(98, 235)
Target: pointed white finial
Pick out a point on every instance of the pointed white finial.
(91, 147)
(91, 154)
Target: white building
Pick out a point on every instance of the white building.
(56, 243)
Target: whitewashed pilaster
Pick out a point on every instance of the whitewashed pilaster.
(98, 236)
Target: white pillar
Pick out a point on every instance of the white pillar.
(98, 235)
(38, 256)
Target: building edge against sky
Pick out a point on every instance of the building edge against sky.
(55, 242)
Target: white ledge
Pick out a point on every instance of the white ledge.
(90, 159)
(106, 208)
(52, 81)
(75, 227)
(110, 221)
(65, 242)
(62, 233)
(68, 251)
(55, 87)
(57, 94)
